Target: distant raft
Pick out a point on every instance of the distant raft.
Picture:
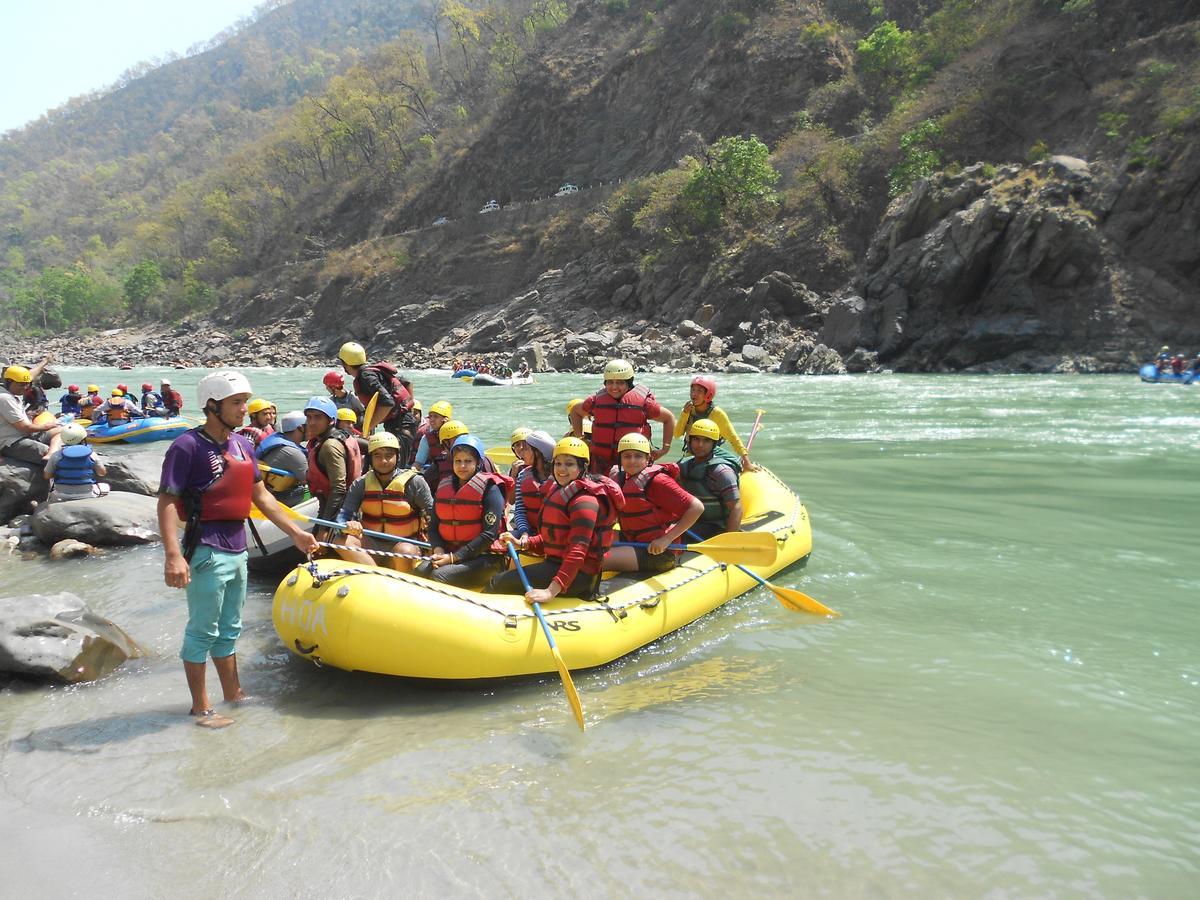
(464, 374)
(484, 379)
(1150, 374)
(138, 431)
(370, 619)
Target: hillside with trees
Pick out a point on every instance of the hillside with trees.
(737, 141)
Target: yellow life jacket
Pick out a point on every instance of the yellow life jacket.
(386, 508)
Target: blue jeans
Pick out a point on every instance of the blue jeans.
(215, 596)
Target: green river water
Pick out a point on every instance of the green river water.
(1009, 706)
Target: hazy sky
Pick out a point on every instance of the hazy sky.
(52, 50)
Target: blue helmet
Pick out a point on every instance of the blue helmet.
(469, 441)
(322, 405)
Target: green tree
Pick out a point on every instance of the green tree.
(920, 156)
(736, 179)
(887, 59)
(141, 285)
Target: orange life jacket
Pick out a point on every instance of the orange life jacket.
(386, 508)
(460, 510)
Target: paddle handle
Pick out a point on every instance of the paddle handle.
(375, 534)
(754, 431)
(264, 467)
(644, 544)
(537, 607)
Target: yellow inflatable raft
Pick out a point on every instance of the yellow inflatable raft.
(365, 618)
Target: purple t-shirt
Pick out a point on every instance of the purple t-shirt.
(193, 462)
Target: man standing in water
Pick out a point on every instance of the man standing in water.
(209, 478)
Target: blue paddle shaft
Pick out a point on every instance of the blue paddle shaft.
(644, 544)
(375, 534)
(537, 607)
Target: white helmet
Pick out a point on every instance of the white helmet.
(219, 385)
(73, 434)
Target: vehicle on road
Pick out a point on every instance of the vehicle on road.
(490, 206)
(566, 190)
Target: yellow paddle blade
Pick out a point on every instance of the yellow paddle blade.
(568, 686)
(369, 414)
(501, 456)
(256, 513)
(749, 548)
(800, 601)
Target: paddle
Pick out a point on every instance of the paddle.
(370, 414)
(755, 548)
(754, 431)
(501, 456)
(264, 467)
(563, 672)
(382, 535)
(788, 597)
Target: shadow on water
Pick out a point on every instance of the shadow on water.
(90, 736)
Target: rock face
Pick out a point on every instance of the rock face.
(119, 519)
(19, 486)
(56, 638)
(1009, 269)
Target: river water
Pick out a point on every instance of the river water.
(1009, 706)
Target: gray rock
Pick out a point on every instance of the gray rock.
(687, 328)
(119, 519)
(822, 361)
(756, 355)
(705, 314)
(20, 485)
(741, 368)
(862, 360)
(716, 347)
(56, 638)
(621, 295)
(135, 473)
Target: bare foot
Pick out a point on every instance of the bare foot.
(211, 719)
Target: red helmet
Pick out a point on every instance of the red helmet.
(96, 401)
(710, 386)
(147, 386)
(334, 380)
(124, 388)
(73, 388)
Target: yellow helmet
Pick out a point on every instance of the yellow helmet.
(634, 441)
(519, 434)
(618, 370)
(705, 428)
(353, 354)
(573, 446)
(442, 408)
(450, 430)
(572, 404)
(19, 374)
(117, 392)
(93, 388)
(345, 414)
(416, 404)
(383, 439)
(258, 404)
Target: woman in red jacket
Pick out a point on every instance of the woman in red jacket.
(575, 531)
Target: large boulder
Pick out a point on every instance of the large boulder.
(20, 484)
(135, 473)
(56, 638)
(117, 520)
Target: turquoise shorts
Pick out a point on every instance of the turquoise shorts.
(215, 596)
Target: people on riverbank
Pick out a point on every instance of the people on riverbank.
(657, 510)
(209, 480)
(617, 410)
(702, 393)
(390, 500)
(468, 517)
(382, 380)
(74, 469)
(284, 452)
(20, 438)
(710, 474)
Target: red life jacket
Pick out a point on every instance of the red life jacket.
(392, 382)
(254, 434)
(560, 510)
(460, 511)
(228, 498)
(318, 481)
(613, 419)
(531, 497)
(641, 520)
(430, 438)
(386, 508)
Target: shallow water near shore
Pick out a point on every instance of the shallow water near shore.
(1010, 705)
